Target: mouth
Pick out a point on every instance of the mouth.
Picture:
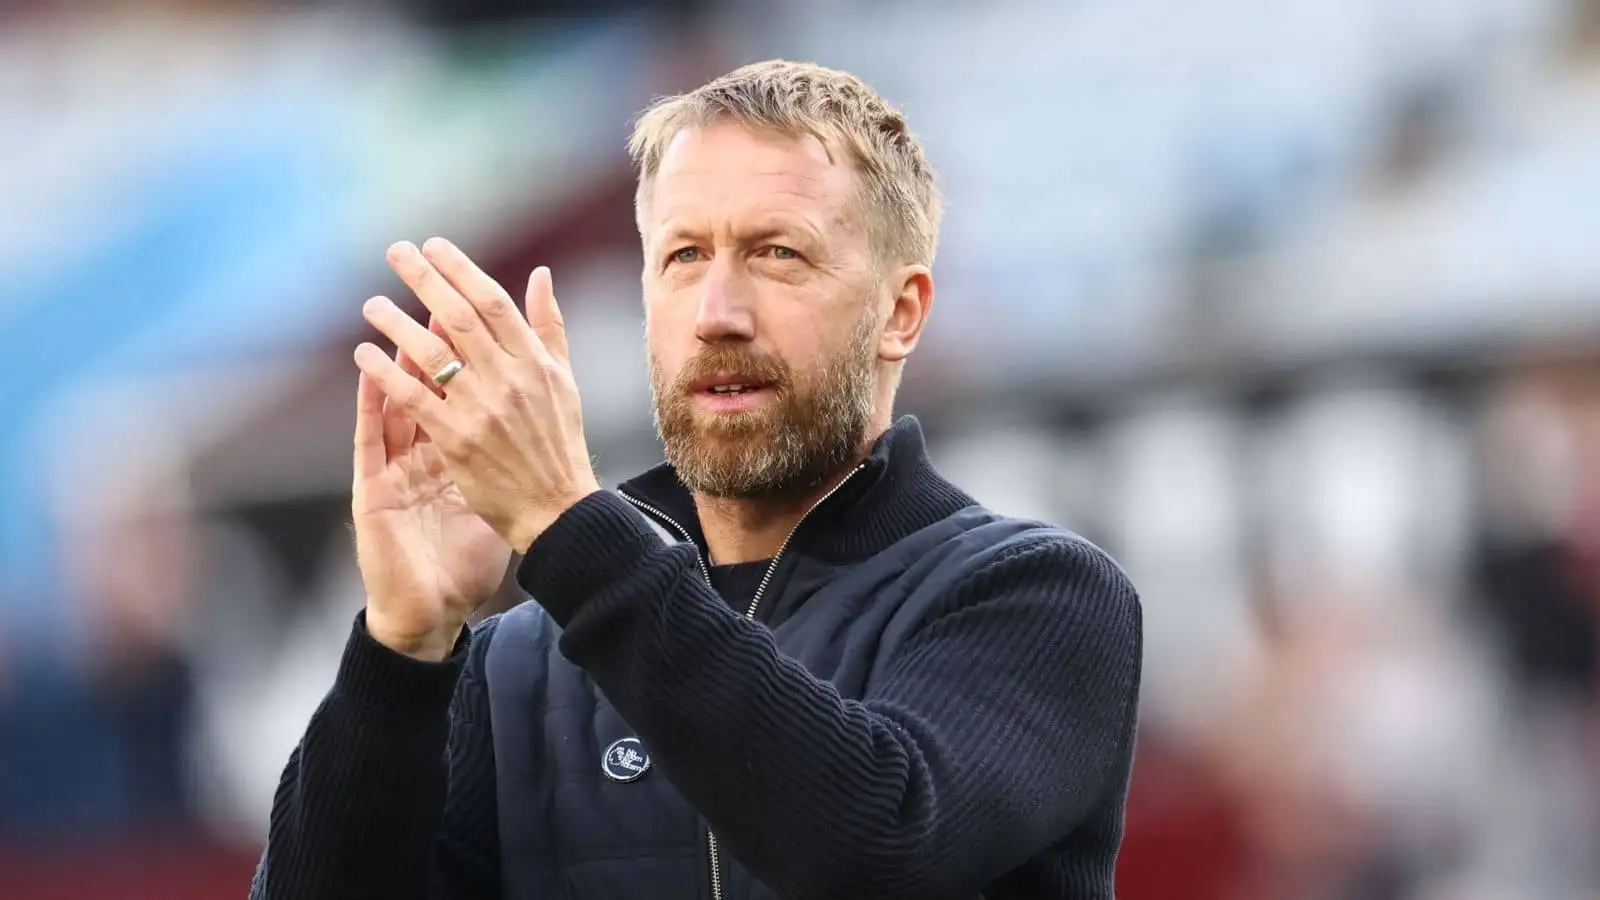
(731, 392)
(729, 384)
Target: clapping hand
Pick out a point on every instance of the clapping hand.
(496, 394)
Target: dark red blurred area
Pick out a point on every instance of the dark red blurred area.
(154, 869)
(1184, 837)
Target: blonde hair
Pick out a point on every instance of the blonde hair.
(837, 108)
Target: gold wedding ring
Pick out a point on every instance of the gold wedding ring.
(450, 370)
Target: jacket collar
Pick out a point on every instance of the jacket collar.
(894, 493)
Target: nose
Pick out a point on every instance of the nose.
(726, 310)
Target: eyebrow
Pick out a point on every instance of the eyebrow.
(764, 231)
(778, 230)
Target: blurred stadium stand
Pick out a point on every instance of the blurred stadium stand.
(1291, 305)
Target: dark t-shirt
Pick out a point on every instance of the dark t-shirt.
(737, 584)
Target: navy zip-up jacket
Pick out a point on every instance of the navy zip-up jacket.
(925, 699)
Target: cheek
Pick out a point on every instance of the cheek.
(797, 345)
(668, 309)
(669, 343)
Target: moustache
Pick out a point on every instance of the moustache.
(718, 359)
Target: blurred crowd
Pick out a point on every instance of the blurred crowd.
(1289, 304)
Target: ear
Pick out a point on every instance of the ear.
(913, 300)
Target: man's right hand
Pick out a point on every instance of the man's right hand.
(426, 559)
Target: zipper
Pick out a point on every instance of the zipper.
(673, 524)
(755, 602)
(749, 613)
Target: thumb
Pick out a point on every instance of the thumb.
(370, 453)
(544, 315)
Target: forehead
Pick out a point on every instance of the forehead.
(729, 171)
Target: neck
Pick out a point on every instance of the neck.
(752, 528)
(747, 530)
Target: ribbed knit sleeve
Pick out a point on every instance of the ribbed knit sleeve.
(999, 726)
(391, 792)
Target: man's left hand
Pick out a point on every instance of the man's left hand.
(510, 424)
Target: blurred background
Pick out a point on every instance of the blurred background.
(1292, 305)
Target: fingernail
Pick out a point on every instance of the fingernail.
(435, 245)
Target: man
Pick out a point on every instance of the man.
(792, 662)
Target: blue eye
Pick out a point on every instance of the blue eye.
(784, 253)
(686, 255)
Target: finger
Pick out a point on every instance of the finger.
(437, 327)
(488, 298)
(410, 365)
(399, 432)
(429, 352)
(544, 316)
(406, 363)
(370, 455)
(460, 320)
(420, 436)
(411, 396)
